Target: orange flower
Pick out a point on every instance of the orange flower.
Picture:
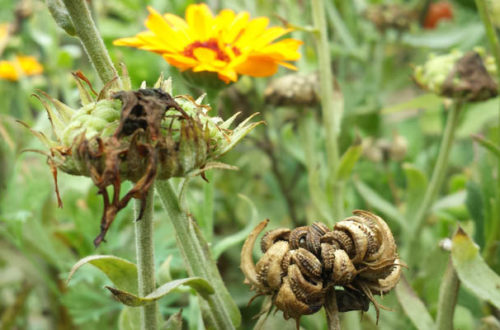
(19, 66)
(228, 44)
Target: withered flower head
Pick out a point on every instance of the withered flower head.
(391, 16)
(464, 77)
(136, 135)
(357, 258)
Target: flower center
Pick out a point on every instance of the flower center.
(211, 44)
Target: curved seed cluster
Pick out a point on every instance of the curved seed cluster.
(299, 266)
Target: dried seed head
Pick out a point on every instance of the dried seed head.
(464, 77)
(299, 265)
(139, 136)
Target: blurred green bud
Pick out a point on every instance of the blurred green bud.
(465, 77)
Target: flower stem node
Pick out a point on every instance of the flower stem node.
(358, 257)
(137, 135)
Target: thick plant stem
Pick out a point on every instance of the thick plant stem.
(144, 247)
(438, 174)
(331, 309)
(88, 34)
(448, 293)
(221, 312)
(494, 41)
(331, 106)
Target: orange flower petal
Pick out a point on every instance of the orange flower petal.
(234, 30)
(159, 26)
(200, 20)
(257, 67)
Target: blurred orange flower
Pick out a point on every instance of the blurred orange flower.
(228, 44)
(19, 66)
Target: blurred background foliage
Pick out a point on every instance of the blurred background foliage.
(397, 125)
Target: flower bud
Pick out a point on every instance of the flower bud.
(137, 135)
(465, 77)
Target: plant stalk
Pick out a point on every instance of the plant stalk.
(331, 309)
(448, 293)
(144, 247)
(438, 174)
(93, 44)
(331, 106)
(221, 312)
(494, 41)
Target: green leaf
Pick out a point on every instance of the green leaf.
(121, 272)
(240, 236)
(130, 319)
(472, 270)
(348, 160)
(379, 203)
(174, 322)
(413, 307)
(474, 203)
(129, 299)
(416, 184)
(426, 101)
(488, 144)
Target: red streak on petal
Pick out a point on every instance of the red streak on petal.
(211, 44)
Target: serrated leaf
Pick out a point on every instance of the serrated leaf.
(348, 160)
(379, 203)
(121, 272)
(473, 271)
(197, 283)
(416, 184)
(413, 307)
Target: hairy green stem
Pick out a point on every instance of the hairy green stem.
(438, 175)
(221, 312)
(448, 293)
(88, 34)
(331, 106)
(144, 247)
(494, 41)
(331, 309)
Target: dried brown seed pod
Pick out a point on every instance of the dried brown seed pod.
(298, 266)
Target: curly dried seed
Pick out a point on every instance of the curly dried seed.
(358, 237)
(298, 237)
(327, 256)
(308, 263)
(272, 236)
(313, 242)
(320, 228)
(343, 269)
(269, 266)
(305, 290)
(287, 302)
